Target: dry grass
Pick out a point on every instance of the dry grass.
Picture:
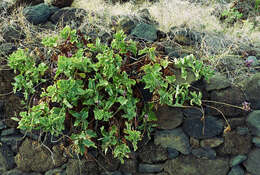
(175, 13)
(167, 13)
(33, 33)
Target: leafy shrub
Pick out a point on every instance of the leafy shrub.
(257, 4)
(29, 73)
(232, 15)
(96, 91)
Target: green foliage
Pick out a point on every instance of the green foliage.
(257, 4)
(170, 92)
(231, 15)
(29, 74)
(41, 117)
(94, 88)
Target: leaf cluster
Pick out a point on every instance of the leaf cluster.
(94, 91)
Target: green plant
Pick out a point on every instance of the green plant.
(231, 15)
(93, 90)
(29, 74)
(257, 4)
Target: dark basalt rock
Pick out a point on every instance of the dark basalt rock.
(150, 168)
(211, 143)
(252, 163)
(236, 170)
(204, 153)
(37, 14)
(190, 165)
(237, 160)
(252, 90)
(217, 82)
(6, 158)
(69, 16)
(168, 117)
(232, 95)
(32, 157)
(175, 139)
(172, 153)
(253, 122)
(145, 31)
(151, 153)
(194, 127)
(235, 144)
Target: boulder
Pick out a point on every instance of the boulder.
(6, 158)
(145, 31)
(175, 139)
(33, 157)
(252, 162)
(236, 170)
(233, 96)
(168, 117)
(211, 143)
(235, 144)
(194, 127)
(217, 82)
(237, 160)
(38, 14)
(189, 165)
(252, 89)
(204, 153)
(192, 112)
(253, 122)
(237, 122)
(151, 153)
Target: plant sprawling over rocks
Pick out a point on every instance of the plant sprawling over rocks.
(100, 95)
